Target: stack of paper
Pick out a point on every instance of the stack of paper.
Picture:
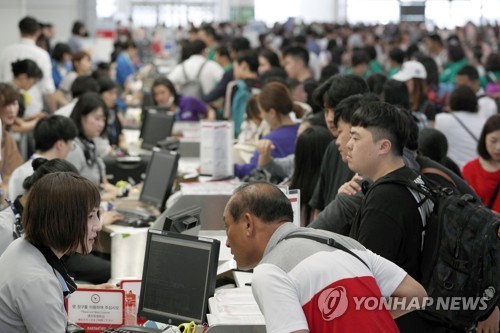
(235, 306)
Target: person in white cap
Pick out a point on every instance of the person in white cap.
(413, 73)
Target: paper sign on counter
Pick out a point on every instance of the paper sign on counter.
(96, 309)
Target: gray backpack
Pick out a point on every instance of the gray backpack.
(192, 86)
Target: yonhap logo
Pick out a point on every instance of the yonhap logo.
(332, 303)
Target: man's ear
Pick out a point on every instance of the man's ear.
(385, 146)
(59, 143)
(249, 221)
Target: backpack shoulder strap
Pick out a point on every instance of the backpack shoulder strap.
(464, 126)
(439, 173)
(201, 68)
(494, 197)
(330, 242)
(183, 66)
(425, 189)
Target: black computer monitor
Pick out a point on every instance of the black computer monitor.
(157, 125)
(160, 176)
(179, 221)
(178, 278)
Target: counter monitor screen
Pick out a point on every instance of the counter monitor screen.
(157, 126)
(160, 177)
(178, 277)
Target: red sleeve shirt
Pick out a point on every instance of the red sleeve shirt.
(483, 182)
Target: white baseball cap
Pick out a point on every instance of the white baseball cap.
(411, 70)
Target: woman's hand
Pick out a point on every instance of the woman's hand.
(264, 147)
(110, 192)
(110, 217)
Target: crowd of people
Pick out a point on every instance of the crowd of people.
(327, 109)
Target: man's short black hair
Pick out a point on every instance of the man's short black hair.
(469, 71)
(239, 44)
(298, 52)
(83, 84)
(384, 121)
(273, 75)
(106, 84)
(197, 47)
(251, 58)
(396, 93)
(336, 88)
(264, 200)
(370, 51)
(436, 38)
(463, 99)
(60, 50)
(28, 67)
(359, 57)
(29, 26)
(51, 129)
(209, 30)
(346, 108)
(223, 51)
(397, 55)
(376, 83)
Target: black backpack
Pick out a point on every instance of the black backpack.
(460, 264)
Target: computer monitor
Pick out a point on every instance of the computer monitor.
(157, 125)
(178, 277)
(160, 176)
(180, 221)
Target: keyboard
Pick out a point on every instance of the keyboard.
(133, 329)
(135, 220)
(130, 215)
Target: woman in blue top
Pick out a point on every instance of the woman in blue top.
(275, 104)
(186, 108)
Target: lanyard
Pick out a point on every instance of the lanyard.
(17, 209)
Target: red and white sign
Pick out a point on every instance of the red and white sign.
(132, 289)
(96, 309)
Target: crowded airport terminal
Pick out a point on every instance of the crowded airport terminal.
(185, 166)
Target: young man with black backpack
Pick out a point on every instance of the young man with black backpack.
(393, 218)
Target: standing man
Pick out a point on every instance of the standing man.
(296, 63)
(303, 284)
(334, 172)
(469, 76)
(54, 137)
(390, 220)
(27, 49)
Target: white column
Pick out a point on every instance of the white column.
(11, 12)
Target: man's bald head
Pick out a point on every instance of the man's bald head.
(264, 200)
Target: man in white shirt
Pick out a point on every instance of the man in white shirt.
(192, 70)
(462, 127)
(27, 49)
(469, 76)
(54, 137)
